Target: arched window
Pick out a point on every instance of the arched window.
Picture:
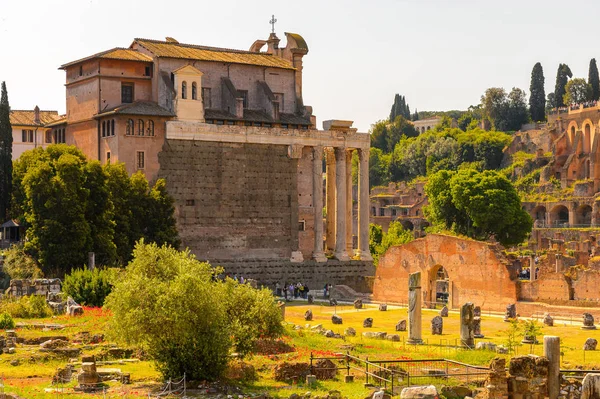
(194, 91)
(129, 130)
(112, 127)
(140, 127)
(150, 127)
(103, 128)
(183, 90)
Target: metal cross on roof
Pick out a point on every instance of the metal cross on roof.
(272, 22)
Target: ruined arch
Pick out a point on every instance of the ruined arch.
(559, 216)
(407, 224)
(583, 215)
(439, 283)
(538, 214)
(587, 135)
(571, 130)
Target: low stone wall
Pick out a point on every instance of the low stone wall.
(354, 274)
(549, 287)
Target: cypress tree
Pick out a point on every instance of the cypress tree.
(416, 115)
(394, 111)
(5, 154)
(562, 77)
(594, 80)
(537, 98)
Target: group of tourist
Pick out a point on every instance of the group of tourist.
(291, 290)
(525, 274)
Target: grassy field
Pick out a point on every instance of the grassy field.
(31, 378)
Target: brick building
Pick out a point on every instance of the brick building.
(229, 131)
(33, 129)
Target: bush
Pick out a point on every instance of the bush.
(170, 304)
(89, 287)
(26, 307)
(19, 265)
(6, 322)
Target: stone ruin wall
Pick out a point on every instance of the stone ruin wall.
(477, 271)
(243, 198)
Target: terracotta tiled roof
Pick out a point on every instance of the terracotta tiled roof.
(116, 53)
(148, 108)
(26, 118)
(203, 53)
(61, 119)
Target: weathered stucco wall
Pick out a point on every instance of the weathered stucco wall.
(477, 272)
(233, 201)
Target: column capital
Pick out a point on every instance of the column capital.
(295, 151)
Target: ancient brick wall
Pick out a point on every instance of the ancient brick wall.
(477, 272)
(585, 285)
(233, 201)
(548, 288)
(267, 272)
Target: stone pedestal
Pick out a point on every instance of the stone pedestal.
(588, 322)
(511, 312)
(467, 325)
(414, 308)
(477, 327)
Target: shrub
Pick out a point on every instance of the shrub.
(19, 265)
(169, 303)
(6, 321)
(26, 307)
(89, 287)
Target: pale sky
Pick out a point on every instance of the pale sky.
(440, 54)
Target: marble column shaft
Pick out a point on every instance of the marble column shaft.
(414, 308)
(340, 204)
(318, 253)
(363, 204)
(330, 199)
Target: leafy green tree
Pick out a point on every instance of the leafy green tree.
(378, 167)
(385, 135)
(477, 204)
(415, 116)
(163, 287)
(537, 98)
(506, 112)
(577, 91)
(562, 77)
(89, 287)
(19, 265)
(494, 104)
(594, 80)
(5, 154)
(375, 237)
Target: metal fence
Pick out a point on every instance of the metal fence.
(405, 373)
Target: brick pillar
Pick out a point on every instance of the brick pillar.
(318, 253)
(294, 153)
(348, 218)
(340, 204)
(363, 204)
(330, 199)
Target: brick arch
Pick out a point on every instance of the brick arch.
(477, 271)
(587, 128)
(572, 128)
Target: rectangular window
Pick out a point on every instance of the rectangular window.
(49, 137)
(190, 202)
(107, 156)
(381, 212)
(126, 93)
(206, 100)
(27, 136)
(244, 94)
(301, 225)
(148, 71)
(140, 160)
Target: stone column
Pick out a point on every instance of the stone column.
(330, 199)
(595, 220)
(532, 268)
(318, 253)
(348, 218)
(552, 352)
(558, 263)
(340, 205)
(466, 325)
(363, 205)
(414, 308)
